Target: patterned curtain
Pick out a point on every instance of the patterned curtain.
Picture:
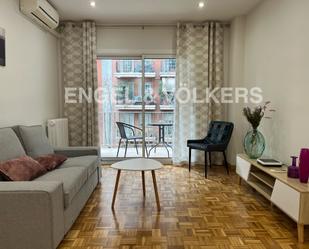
(199, 66)
(80, 71)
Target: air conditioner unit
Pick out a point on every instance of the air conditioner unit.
(40, 11)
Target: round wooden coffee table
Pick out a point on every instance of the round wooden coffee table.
(138, 164)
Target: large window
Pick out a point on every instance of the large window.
(121, 82)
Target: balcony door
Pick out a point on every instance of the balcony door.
(137, 109)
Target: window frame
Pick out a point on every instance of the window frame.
(143, 58)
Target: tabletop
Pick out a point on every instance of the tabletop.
(137, 164)
(160, 124)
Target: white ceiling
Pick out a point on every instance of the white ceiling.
(151, 11)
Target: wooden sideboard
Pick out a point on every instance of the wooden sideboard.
(288, 194)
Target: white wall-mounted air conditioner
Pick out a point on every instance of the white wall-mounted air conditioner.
(41, 12)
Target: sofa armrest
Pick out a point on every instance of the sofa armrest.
(78, 151)
(31, 215)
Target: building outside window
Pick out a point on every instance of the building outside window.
(167, 91)
(149, 66)
(168, 66)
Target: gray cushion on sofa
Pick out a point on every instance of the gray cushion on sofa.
(35, 140)
(72, 178)
(10, 146)
(88, 162)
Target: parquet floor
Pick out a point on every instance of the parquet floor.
(196, 214)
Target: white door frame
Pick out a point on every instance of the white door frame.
(143, 57)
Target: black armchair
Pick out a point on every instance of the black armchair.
(132, 137)
(217, 140)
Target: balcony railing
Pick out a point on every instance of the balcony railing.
(131, 107)
(123, 104)
(167, 107)
(110, 133)
(134, 75)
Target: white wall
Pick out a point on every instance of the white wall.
(236, 76)
(135, 41)
(29, 82)
(276, 58)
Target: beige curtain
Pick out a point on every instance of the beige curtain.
(79, 66)
(199, 66)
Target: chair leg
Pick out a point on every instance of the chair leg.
(136, 146)
(189, 159)
(125, 152)
(225, 163)
(206, 164)
(209, 154)
(119, 146)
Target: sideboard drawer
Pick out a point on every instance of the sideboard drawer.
(287, 199)
(242, 168)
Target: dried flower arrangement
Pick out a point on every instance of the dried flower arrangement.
(254, 116)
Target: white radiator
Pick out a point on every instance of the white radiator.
(58, 133)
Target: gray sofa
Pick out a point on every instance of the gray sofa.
(37, 214)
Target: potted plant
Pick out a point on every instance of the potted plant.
(254, 141)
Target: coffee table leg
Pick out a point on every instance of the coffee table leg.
(300, 229)
(116, 187)
(143, 180)
(156, 189)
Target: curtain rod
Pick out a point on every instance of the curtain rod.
(167, 25)
(136, 25)
(226, 24)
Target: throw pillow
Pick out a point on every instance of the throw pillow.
(21, 169)
(35, 141)
(52, 161)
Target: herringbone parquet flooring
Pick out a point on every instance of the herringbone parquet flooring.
(196, 214)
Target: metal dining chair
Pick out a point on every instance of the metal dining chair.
(217, 140)
(123, 128)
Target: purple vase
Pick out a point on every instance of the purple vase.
(304, 165)
(293, 170)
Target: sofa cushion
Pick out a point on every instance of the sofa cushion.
(21, 169)
(72, 178)
(10, 146)
(17, 132)
(52, 161)
(88, 162)
(35, 140)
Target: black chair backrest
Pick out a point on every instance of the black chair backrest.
(122, 130)
(220, 132)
